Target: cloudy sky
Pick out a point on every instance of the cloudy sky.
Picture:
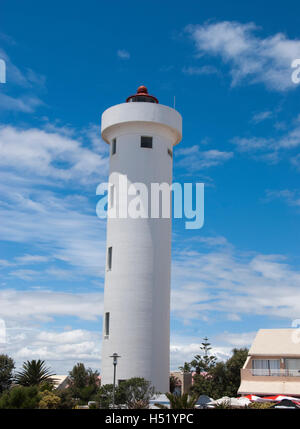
(229, 66)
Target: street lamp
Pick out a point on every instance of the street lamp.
(115, 357)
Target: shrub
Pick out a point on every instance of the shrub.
(49, 400)
(20, 397)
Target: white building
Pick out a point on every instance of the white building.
(273, 364)
(141, 134)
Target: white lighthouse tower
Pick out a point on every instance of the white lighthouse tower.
(136, 320)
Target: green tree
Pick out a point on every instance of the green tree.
(66, 399)
(21, 397)
(136, 392)
(174, 382)
(233, 370)
(104, 397)
(182, 402)
(7, 366)
(205, 361)
(34, 373)
(49, 400)
(83, 382)
(186, 367)
(222, 378)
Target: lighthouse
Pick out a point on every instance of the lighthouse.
(136, 320)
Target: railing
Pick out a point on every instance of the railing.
(274, 372)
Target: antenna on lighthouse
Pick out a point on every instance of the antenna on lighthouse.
(174, 102)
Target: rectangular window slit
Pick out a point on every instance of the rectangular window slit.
(114, 146)
(170, 153)
(106, 324)
(109, 258)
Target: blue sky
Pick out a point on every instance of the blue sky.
(228, 64)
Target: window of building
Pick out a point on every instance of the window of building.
(170, 153)
(146, 142)
(109, 258)
(292, 367)
(113, 146)
(106, 326)
(266, 366)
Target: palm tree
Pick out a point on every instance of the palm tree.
(183, 402)
(34, 373)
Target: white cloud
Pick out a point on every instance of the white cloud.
(251, 58)
(26, 104)
(57, 226)
(50, 155)
(250, 144)
(213, 241)
(295, 161)
(195, 159)
(261, 116)
(123, 54)
(238, 340)
(22, 305)
(30, 259)
(272, 149)
(224, 281)
(183, 349)
(292, 198)
(36, 165)
(61, 350)
(24, 274)
(203, 70)
(26, 81)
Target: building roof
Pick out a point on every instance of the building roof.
(276, 342)
(269, 388)
(59, 380)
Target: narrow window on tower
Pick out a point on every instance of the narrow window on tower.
(106, 326)
(113, 146)
(146, 142)
(109, 258)
(170, 153)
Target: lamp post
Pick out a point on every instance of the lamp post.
(115, 357)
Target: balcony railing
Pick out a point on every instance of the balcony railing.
(275, 372)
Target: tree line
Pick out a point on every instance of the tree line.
(34, 386)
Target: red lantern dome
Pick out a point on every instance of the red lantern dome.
(142, 96)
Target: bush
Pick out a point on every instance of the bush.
(20, 397)
(260, 405)
(136, 392)
(66, 399)
(49, 400)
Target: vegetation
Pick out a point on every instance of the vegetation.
(49, 400)
(260, 405)
(183, 402)
(204, 362)
(174, 382)
(187, 367)
(136, 393)
(133, 394)
(34, 373)
(66, 399)
(84, 383)
(216, 379)
(35, 385)
(7, 366)
(21, 397)
(104, 397)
